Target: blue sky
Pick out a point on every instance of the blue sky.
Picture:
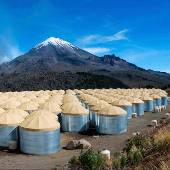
(135, 30)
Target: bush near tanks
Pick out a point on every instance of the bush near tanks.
(141, 149)
(140, 152)
(88, 160)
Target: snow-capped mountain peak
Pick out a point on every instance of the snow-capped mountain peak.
(56, 42)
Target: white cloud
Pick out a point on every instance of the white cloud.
(121, 35)
(4, 59)
(14, 52)
(88, 39)
(10, 53)
(8, 50)
(97, 50)
(94, 39)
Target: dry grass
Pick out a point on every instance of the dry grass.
(155, 163)
(159, 160)
(162, 133)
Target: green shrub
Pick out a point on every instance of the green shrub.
(116, 163)
(135, 155)
(123, 159)
(141, 142)
(120, 160)
(88, 160)
(137, 149)
(74, 163)
(91, 160)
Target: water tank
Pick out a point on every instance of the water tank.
(124, 104)
(148, 103)
(164, 99)
(40, 133)
(75, 118)
(9, 121)
(156, 100)
(94, 112)
(112, 120)
(137, 106)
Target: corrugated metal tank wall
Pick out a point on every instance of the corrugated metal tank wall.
(157, 102)
(93, 118)
(128, 109)
(39, 143)
(112, 124)
(164, 101)
(7, 134)
(138, 108)
(74, 123)
(149, 107)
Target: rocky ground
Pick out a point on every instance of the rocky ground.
(60, 159)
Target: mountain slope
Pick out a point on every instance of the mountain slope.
(48, 61)
(53, 54)
(54, 80)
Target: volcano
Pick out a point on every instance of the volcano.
(56, 63)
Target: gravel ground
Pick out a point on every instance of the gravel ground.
(111, 142)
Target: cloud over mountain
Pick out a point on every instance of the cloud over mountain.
(96, 38)
(97, 50)
(8, 50)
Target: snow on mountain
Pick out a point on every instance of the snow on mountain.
(56, 42)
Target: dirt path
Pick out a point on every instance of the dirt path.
(111, 142)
